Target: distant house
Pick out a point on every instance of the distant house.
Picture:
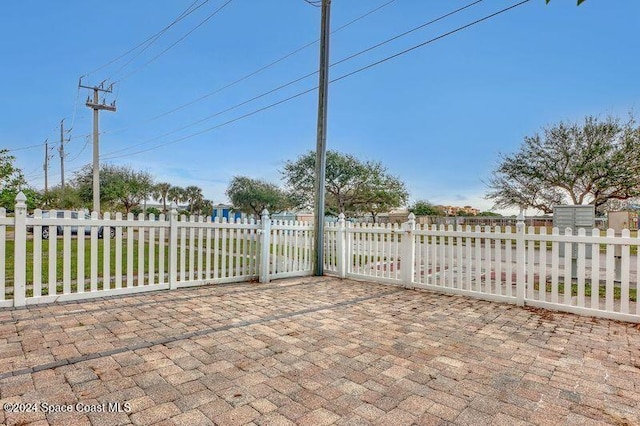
(225, 211)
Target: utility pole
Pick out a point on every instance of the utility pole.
(321, 143)
(97, 106)
(61, 151)
(46, 168)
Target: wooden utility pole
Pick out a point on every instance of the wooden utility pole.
(321, 143)
(97, 106)
(46, 168)
(61, 151)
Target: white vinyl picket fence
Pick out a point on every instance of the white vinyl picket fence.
(145, 253)
(515, 266)
(598, 276)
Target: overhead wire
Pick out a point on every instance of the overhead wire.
(182, 16)
(342, 77)
(204, 21)
(247, 76)
(296, 80)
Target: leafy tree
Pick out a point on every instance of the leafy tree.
(8, 198)
(161, 193)
(10, 176)
(352, 187)
(63, 199)
(121, 187)
(380, 191)
(589, 163)
(203, 207)
(153, 210)
(425, 208)
(252, 196)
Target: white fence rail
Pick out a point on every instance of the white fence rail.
(51, 258)
(510, 265)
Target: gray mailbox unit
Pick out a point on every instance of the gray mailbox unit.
(575, 217)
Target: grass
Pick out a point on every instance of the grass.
(230, 262)
(602, 290)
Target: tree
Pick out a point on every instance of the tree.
(352, 187)
(489, 214)
(252, 196)
(425, 208)
(121, 187)
(161, 193)
(193, 196)
(176, 194)
(8, 198)
(63, 199)
(589, 163)
(379, 192)
(10, 176)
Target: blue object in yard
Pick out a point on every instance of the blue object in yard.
(225, 212)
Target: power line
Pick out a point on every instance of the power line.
(297, 95)
(182, 16)
(282, 86)
(205, 20)
(251, 74)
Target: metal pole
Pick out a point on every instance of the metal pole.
(321, 144)
(96, 166)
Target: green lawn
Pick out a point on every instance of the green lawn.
(230, 262)
(602, 290)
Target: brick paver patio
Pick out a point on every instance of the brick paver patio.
(314, 351)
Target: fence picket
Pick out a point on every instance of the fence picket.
(478, 259)
(487, 261)
(498, 261)
(37, 257)
(624, 274)
(595, 271)
(53, 255)
(151, 270)
(555, 267)
(581, 269)
(568, 272)
(130, 239)
(106, 254)
(118, 243)
(508, 255)
(200, 260)
(141, 251)
(542, 272)
(66, 255)
(183, 250)
(610, 272)
(531, 262)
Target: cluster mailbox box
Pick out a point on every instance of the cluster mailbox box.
(575, 217)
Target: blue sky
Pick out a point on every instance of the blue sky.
(438, 117)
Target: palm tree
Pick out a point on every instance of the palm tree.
(161, 193)
(193, 195)
(176, 194)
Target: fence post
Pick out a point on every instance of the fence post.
(20, 251)
(265, 246)
(521, 267)
(173, 246)
(408, 255)
(341, 246)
